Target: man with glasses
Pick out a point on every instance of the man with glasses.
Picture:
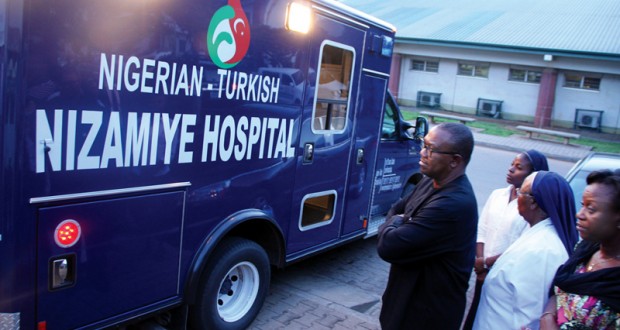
(429, 238)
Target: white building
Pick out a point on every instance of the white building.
(549, 62)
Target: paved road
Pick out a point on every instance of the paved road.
(341, 289)
(488, 167)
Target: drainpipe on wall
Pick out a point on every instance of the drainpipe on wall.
(546, 98)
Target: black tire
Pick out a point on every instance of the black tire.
(233, 287)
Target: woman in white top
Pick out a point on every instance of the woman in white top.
(516, 289)
(500, 223)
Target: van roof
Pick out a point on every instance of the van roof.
(357, 14)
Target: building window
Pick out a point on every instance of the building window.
(575, 80)
(474, 69)
(525, 75)
(425, 65)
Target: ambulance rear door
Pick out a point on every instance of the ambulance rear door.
(327, 130)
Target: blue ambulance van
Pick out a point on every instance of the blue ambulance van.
(160, 157)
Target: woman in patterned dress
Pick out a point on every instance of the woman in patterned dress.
(587, 286)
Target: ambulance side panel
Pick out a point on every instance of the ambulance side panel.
(158, 129)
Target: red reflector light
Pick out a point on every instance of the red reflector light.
(67, 233)
(42, 325)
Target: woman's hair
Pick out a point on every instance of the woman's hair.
(610, 179)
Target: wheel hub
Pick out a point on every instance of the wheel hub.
(238, 291)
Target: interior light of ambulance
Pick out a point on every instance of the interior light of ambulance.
(298, 17)
(67, 233)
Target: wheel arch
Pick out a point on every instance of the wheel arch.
(254, 225)
(411, 183)
(415, 178)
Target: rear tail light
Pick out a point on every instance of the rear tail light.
(67, 233)
(62, 269)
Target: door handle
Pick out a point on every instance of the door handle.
(308, 153)
(360, 155)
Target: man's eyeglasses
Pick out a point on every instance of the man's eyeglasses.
(430, 151)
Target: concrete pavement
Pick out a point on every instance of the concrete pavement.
(340, 289)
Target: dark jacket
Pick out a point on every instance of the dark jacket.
(432, 248)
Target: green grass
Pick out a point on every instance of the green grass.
(409, 115)
(599, 145)
(502, 130)
(493, 129)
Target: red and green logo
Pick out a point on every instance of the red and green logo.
(228, 38)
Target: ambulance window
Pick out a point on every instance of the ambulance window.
(334, 85)
(388, 130)
(317, 210)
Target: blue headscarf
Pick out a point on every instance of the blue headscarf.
(554, 196)
(538, 160)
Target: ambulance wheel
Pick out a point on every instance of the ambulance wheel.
(233, 287)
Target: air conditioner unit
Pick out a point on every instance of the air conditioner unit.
(588, 119)
(491, 108)
(429, 100)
